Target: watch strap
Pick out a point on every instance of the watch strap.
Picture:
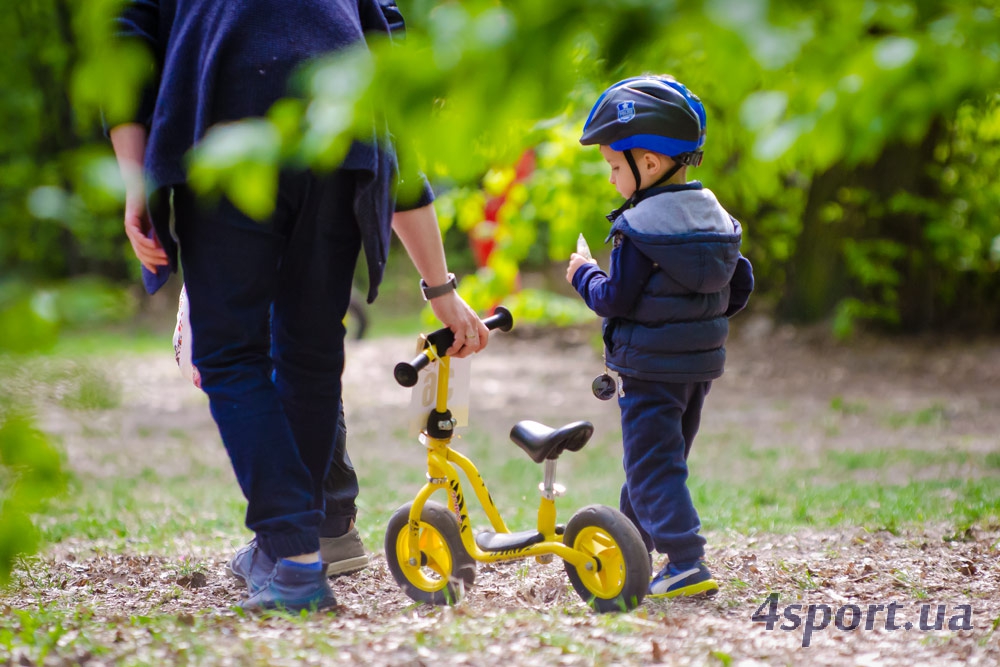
(439, 290)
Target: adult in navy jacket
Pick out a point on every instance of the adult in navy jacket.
(273, 292)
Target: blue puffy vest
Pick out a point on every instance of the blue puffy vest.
(678, 327)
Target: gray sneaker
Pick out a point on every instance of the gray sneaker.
(343, 555)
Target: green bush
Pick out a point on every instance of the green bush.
(857, 141)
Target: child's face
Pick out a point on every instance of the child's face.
(621, 174)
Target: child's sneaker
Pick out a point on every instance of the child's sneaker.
(685, 579)
(344, 554)
(293, 586)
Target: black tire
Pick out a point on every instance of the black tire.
(356, 321)
(622, 577)
(444, 569)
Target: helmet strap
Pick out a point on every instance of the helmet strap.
(634, 167)
(668, 175)
(635, 173)
(618, 211)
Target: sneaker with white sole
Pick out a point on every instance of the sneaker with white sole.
(343, 555)
(683, 579)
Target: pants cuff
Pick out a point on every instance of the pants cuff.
(684, 555)
(336, 525)
(283, 546)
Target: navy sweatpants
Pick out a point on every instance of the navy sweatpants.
(276, 292)
(659, 423)
(340, 486)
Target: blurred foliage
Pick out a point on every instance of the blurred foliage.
(60, 201)
(854, 140)
(31, 469)
(857, 141)
(31, 466)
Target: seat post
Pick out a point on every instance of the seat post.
(548, 487)
(547, 505)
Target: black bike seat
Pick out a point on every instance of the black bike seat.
(542, 442)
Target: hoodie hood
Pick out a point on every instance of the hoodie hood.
(688, 234)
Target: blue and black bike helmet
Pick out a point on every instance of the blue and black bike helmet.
(652, 112)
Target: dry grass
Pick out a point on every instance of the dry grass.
(143, 583)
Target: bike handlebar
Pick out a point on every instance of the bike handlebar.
(406, 371)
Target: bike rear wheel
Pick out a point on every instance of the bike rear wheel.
(356, 320)
(620, 580)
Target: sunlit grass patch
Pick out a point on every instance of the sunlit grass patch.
(932, 415)
(148, 513)
(89, 388)
(791, 504)
(114, 342)
(847, 407)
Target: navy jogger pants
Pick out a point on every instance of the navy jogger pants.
(659, 423)
(272, 296)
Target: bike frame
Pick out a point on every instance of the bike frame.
(443, 464)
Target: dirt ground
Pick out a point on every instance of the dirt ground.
(780, 383)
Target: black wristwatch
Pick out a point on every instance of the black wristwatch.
(439, 290)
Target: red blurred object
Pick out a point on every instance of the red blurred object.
(482, 237)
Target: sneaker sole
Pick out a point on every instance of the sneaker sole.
(347, 566)
(703, 589)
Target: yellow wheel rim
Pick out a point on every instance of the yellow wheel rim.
(432, 565)
(608, 580)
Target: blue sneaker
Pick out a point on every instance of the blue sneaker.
(251, 566)
(293, 586)
(685, 579)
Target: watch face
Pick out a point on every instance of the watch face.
(604, 387)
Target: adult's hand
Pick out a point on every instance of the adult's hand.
(145, 245)
(471, 335)
(129, 142)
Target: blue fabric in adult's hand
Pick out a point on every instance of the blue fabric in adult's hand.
(153, 281)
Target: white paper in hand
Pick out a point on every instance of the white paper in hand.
(582, 248)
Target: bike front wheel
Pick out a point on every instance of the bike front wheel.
(441, 570)
(620, 579)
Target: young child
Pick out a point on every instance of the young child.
(676, 275)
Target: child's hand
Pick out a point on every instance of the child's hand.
(575, 262)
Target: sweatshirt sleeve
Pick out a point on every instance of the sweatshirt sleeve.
(614, 294)
(424, 197)
(140, 19)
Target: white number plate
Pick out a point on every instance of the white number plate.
(425, 391)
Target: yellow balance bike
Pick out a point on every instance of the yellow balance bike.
(430, 548)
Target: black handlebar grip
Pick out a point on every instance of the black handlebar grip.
(500, 319)
(406, 372)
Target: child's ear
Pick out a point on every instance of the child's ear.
(653, 162)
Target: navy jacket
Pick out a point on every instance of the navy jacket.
(676, 275)
(222, 60)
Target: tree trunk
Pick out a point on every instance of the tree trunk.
(817, 274)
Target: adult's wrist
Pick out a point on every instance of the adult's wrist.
(435, 291)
